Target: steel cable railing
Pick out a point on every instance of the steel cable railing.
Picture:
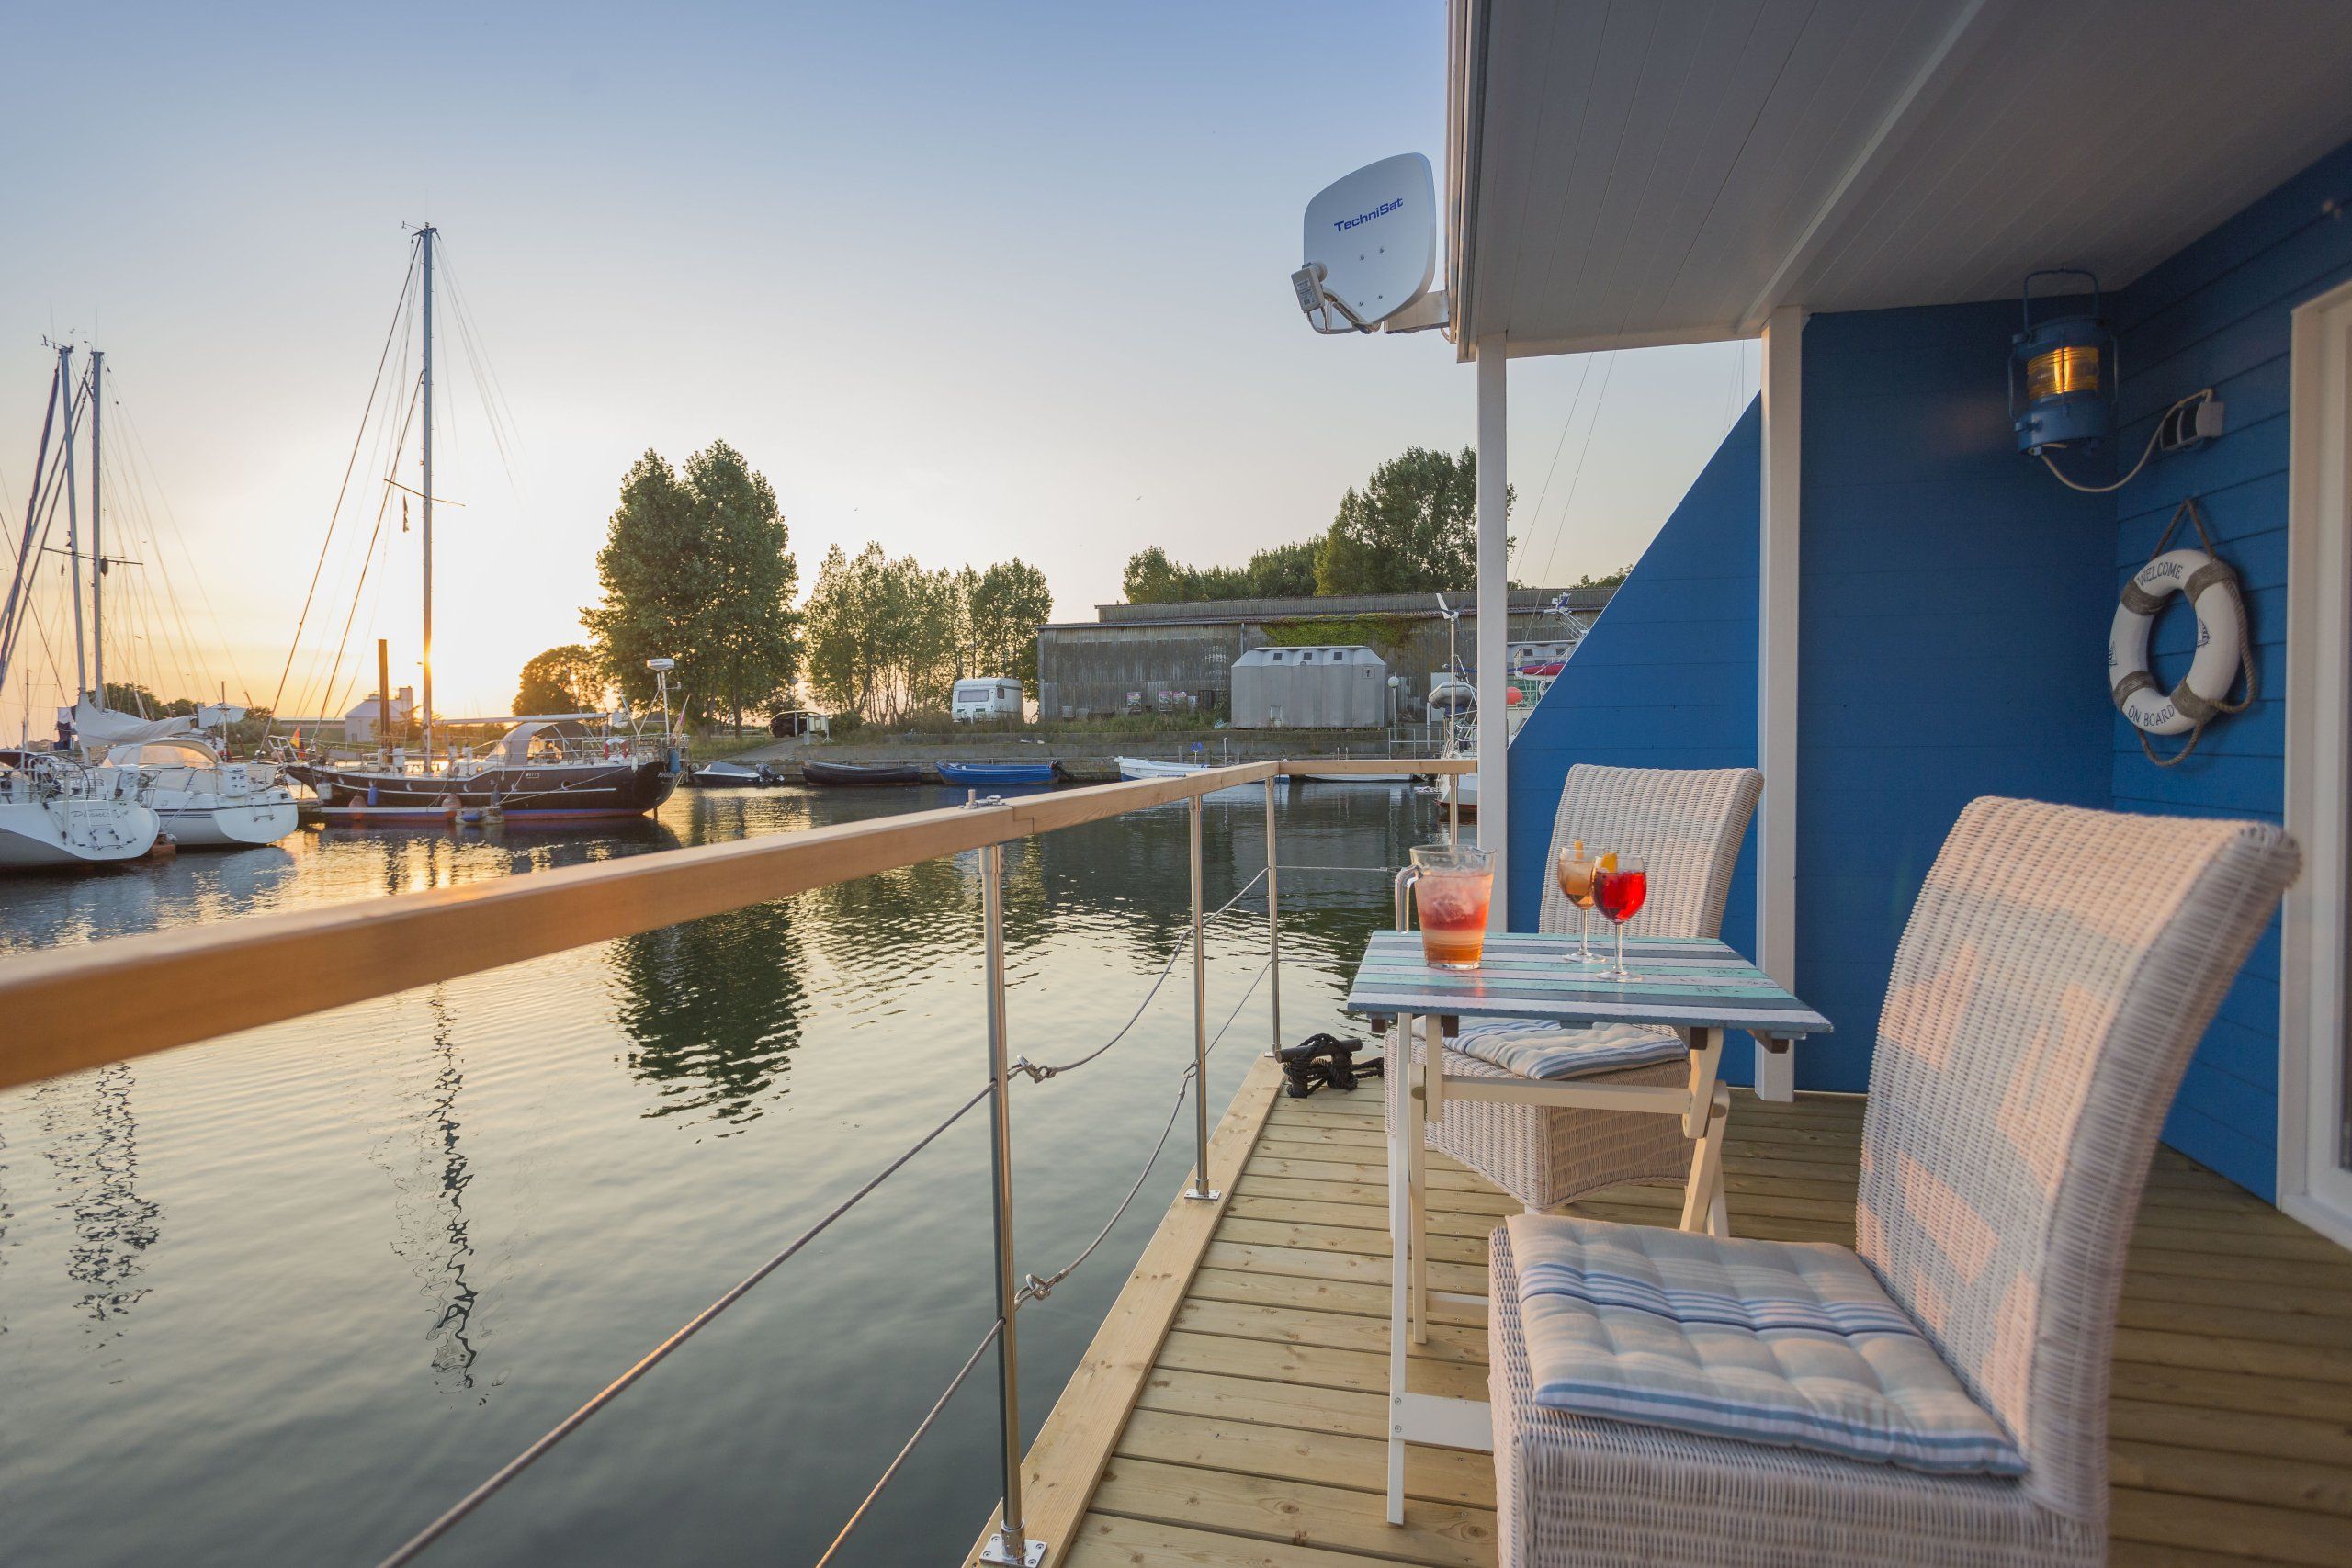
(1033, 1289)
(496, 1482)
(1039, 1073)
(857, 1515)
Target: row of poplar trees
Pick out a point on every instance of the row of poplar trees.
(697, 567)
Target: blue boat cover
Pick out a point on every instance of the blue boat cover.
(997, 772)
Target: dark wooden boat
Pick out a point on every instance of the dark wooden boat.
(855, 775)
(542, 769)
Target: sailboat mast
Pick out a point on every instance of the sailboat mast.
(97, 536)
(73, 534)
(425, 243)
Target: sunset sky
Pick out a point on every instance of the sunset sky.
(971, 281)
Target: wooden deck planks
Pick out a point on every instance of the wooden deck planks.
(1255, 1437)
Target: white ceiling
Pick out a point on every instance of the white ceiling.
(1633, 171)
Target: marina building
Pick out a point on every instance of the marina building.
(1156, 657)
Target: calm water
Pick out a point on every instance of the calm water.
(282, 1297)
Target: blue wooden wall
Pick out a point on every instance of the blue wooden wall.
(2216, 314)
(1952, 627)
(1955, 607)
(1666, 679)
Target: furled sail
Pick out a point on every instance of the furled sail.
(95, 726)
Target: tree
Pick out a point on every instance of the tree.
(1285, 571)
(887, 638)
(1150, 579)
(1610, 581)
(565, 678)
(1414, 526)
(697, 567)
(1004, 606)
(125, 698)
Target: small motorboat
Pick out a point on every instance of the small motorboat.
(983, 774)
(855, 775)
(733, 775)
(1152, 768)
(1384, 779)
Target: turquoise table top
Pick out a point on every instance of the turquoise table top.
(1693, 982)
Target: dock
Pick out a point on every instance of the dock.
(1230, 1411)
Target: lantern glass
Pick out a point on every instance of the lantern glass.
(2071, 368)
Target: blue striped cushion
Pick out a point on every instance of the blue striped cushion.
(1767, 1342)
(1543, 1048)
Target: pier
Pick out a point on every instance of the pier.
(1230, 1410)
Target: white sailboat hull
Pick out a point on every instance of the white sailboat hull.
(44, 835)
(231, 824)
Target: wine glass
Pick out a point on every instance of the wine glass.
(1574, 870)
(1619, 890)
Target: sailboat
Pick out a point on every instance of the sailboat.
(200, 798)
(565, 767)
(54, 811)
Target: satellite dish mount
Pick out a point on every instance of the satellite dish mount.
(1371, 251)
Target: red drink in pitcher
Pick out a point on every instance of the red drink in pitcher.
(1453, 889)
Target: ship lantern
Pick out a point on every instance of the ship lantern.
(2061, 374)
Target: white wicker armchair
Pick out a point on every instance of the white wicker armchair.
(2057, 971)
(1689, 825)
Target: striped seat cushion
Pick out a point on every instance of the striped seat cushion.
(1794, 1344)
(1540, 1048)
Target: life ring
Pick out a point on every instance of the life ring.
(2203, 692)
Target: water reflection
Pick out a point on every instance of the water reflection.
(430, 1174)
(90, 1137)
(547, 1213)
(714, 1008)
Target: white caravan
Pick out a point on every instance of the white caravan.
(987, 697)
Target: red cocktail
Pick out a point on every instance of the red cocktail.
(1619, 889)
(1618, 894)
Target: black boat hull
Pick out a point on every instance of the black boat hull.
(575, 791)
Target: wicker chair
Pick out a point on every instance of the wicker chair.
(1689, 825)
(2058, 969)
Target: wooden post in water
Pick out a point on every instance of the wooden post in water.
(383, 702)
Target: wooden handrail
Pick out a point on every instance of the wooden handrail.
(73, 1009)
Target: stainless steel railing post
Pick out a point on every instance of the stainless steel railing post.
(1011, 1543)
(1200, 1190)
(1274, 919)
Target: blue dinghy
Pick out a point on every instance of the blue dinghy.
(984, 774)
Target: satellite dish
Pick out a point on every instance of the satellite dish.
(1370, 250)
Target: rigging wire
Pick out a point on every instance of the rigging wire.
(1584, 373)
(187, 554)
(374, 385)
(383, 505)
(1599, 401)
(496, 414)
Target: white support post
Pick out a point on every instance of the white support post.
(1492, 650)
(1778, 561)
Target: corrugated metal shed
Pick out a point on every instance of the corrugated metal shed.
(1341, 687)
